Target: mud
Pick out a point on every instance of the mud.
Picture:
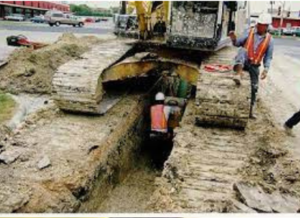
(31, 71)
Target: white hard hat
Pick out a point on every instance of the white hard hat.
(265, 18)
(160, 96)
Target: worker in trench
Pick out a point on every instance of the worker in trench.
(256, 45)
(290, 123)
(159, 113)
(165, 117)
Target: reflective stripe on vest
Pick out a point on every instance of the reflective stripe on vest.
(255, 57)
(158, 118)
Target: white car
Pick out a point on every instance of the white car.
(15, 17)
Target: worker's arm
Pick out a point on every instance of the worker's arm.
(268, 56)
(167, 111)
(267, 60)
(238, 41)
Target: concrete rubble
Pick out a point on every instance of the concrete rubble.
(9, 156)
(256, 198)
(44, 163)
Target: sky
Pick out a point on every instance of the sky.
(256, 6)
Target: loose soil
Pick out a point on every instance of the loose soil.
(132, 195)
(31, 71)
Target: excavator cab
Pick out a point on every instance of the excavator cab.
(196, 25)
(201, 25)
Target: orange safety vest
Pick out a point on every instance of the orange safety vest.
(158, 118)
(255, 57)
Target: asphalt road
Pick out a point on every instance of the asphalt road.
(288, 46)
(44, 33)
(89, 28)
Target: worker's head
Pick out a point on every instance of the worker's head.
(264, 20)
(160, 97)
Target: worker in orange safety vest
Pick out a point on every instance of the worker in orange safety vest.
(256, 46)
(159, 115)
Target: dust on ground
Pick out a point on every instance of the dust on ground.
(31, 71)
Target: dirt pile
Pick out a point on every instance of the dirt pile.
(31, 71)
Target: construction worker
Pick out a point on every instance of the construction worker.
(290, 123)
(159, 116)
(257, 45)
(175, 115)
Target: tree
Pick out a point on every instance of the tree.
(84, 10)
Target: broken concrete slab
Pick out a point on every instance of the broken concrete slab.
(3, 62)
(242, 207)
(44, 163)
(253, 196)
(9, 156)
(283, 203)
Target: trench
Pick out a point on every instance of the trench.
(139, 160)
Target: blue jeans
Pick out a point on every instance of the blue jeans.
(294, 120)
(242, 59)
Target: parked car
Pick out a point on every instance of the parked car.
(89, 20)
(287, 31)
(15, 17)
(57, 18)
(37, 19)
(296, 31)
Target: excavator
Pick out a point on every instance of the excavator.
(182, 37)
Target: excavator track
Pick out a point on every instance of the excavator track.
(204, 162)
(202, 167)
(219, 101)
(77, 85)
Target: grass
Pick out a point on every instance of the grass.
(7, 106)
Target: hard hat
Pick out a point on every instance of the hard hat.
(160, 96)
(265, 18)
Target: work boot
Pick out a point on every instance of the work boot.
(252, 115)
(289, 131)
(237, 78)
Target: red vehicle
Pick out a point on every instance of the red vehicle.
(89, 20)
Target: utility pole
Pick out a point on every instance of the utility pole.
(272, 3)
(123, 7)
(281, 19)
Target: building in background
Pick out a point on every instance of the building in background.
(290, 18)
(30, 8)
